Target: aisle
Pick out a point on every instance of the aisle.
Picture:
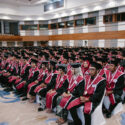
(16, 112)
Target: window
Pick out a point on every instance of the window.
(33, 27)
(29, 27)
(54, 26)
(54, 4)
(91, 21)
(61, 25)
(43, 26)
(79, 22)
(70, 23)
(0, 27)
(118, 17)
(122, 16)
(108, 18)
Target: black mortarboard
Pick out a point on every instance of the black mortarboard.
(75, 65)
(52, 62)
(34, 61)
(114, 61)
(25, 57)
(96, 65)
(122, 63)
(123, 53)
(62, 66)
(45, 62)
(99, 59)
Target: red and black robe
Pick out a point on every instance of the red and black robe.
(115, 83)
(60, 85)
(90, 88)
(73, 82)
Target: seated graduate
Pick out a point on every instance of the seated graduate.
(60, 85)
(88, 93)
(31, 94)
(24, 72)
(46, 85)
(32, 76)
(64, 99)
(114, 86)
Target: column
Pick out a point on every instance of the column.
(2, 27)
(35, 43)
(4, 43)
(16, 44)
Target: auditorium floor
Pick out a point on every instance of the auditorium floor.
(15, 112)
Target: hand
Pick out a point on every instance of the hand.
(44, 85)
(108, 92)
(84, 99)
(36, 81)
(24, 81)
(53, 91)
(66, 95)
(17, 77)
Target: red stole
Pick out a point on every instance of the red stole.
(32, 71)
(111, 80)
(90, 86)
(101, 73)
(23, 69)
(42, 74)
(59, 81)
(74, 82)
(49, 77)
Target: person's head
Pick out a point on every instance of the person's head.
(86, 64)
(113, 65)
(76, 68)
(61, 68)
(33, 63)
(25, 60)
(44, 65)
(53, 64)
(65, 61)
(99, 61)
(94, 69)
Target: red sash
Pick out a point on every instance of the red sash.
(49, 77)
(74, 82)
(32, 71)
(19, 86)
(59, 81)
(23, 69)
(42, 74)
(49, 99)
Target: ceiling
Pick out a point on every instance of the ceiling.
(24, 2)
(34, 9)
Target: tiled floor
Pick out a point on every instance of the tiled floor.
(24, 113)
